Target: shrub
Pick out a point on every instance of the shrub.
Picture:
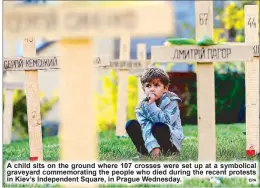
(106, 102)
(229, 97)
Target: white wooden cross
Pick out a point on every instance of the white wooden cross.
(122, 65)
(121, 114)
(76, 25)
(252, 79)
(30, 63)
(142, 56)
(125, 66)
(205, 56)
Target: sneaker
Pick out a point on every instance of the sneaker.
(123, 136)
(138, 157)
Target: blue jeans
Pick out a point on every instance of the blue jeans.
(160, 131)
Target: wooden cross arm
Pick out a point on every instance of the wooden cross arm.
(119, 64)
(216, 53)
(47, 63)
(13, 85)
(30, 63)
(256, 49)
(74, 21)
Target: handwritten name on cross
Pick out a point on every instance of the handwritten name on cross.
(76, 25)
(205, 56)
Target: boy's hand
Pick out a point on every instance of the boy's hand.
(156, 153)
(151, 98)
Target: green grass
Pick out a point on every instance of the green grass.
(230, 146)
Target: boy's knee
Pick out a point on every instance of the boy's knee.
(160, 127)
(130, 122)
(159, 124)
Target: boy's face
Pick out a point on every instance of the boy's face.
(155, 87)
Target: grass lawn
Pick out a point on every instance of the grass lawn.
(230, 146)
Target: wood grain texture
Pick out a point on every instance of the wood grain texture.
(252, 80)
(33, 103)
(205, 87)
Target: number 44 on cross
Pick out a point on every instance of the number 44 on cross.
(205, 56)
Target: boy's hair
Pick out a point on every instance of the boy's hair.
(153, 73)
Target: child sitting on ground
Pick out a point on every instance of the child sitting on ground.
(158, 128)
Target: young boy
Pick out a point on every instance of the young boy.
(158, 126)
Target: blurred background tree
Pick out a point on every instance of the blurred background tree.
(229, 76)
(232, 30)
(106, 102)
(229, 19)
